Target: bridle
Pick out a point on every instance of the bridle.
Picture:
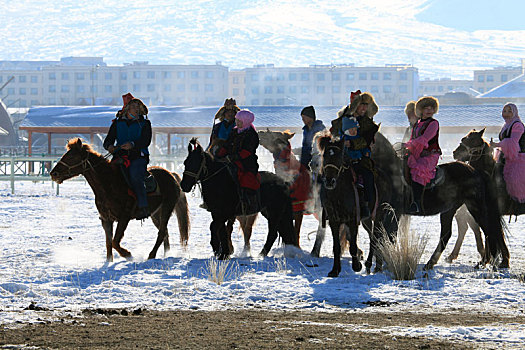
(203, 170)
(474, 152)
(340, 168)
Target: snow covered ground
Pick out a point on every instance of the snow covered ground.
(52, 254)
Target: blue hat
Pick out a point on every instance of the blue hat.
(349, 123)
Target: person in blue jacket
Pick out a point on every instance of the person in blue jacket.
(311, 127)
(129, 138)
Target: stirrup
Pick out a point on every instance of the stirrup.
(414, 208)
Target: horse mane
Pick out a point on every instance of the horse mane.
(81, 146)
(321, 139)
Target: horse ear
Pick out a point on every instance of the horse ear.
(482, 131)
(78, 143)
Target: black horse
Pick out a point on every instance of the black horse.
(221, 195)
(461, 184)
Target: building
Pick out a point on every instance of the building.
(487, 79)
(439, 87)
(328, 85)
(237, 86)
(89, 81)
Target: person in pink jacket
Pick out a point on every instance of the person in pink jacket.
(512, 145)
(424, 149)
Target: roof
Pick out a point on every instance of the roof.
(174, 119)
(514, 88)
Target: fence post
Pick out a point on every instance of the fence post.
(12, 175)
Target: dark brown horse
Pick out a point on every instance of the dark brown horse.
(115, 203)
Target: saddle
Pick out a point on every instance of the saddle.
(438, 179)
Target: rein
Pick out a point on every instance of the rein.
(340, 168)
(203, 169)
(85, 163)
(475, 153)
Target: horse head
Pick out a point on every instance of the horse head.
(194, 165)
(275, 141)
(74, 162)
(471, 147)
(332, 154)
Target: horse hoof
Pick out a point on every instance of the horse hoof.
(315, 253)
(357, 266)
(333, 273)
(428, 266)
(263, 253)
(450, 259)
(368, 271)
(504, 265)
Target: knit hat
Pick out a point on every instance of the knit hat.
(309, 112)
(247, 119)
(349, 123)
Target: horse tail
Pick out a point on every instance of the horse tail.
(183, 214)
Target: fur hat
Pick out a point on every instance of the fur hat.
(126, 98)
(426, 101)
(357, 99)
(229, 104)
(410, 107)
(143, 110)
(309, 112)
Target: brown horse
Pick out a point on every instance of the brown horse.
(114, 201)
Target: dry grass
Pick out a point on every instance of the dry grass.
(402, 256)
(219, 271)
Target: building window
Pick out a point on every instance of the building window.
(305, 76)
(136, 87)
(235, 80)
(235, 91)
(65, 76)
(166, 75)
(504, 78)
(52, 88)
(280, 89)
(319, 89)
(292, 76)
(481, 78)
(181, 87)
(373, 76)
(490, 78)
(255, 90)
(481, 90)
(280, 102)
(280, 77)
(10, 91)
(320, 76)
(362, 76)
(108, 88)
(255, 102)
(150, 87)
(52, 101)
(255, 77)
(194, 74)
(123, 89)
(64, 88)
(167, 88)
(34, 91)
(22, 79)
(194, 87)
(34, 102)
(208, 87)
(268, 102)
(80, 89)
(440, 88)
(292, 89)
(209, 75)
(136, 74)
(305, 89)
(403, 89)
(108, 76)
(181, 75)
(403, 76)
(267, 78)
(150, 74)
(34, 79)
(387, 89)
(124, 76)
(374, 88)
(387, 76)
(350, 76)
(336, 89)
(336, 77)
(268, 90)
(22, 91)
(80, 76)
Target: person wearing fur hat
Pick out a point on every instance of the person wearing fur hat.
(128, 138)
(424, 149)
(310, 128)
(221, 130)
(512, 145)
(410, 112)
(362, 107)
(240, 150)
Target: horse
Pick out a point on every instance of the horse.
(460, 184)
(474, 150)
(115, 201)
(220, 192)
(304, 193)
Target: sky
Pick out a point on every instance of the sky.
(442, 38)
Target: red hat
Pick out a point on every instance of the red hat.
(126, 98)
(354, 95)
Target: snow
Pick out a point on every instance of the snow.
(53, 256)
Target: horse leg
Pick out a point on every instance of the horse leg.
(297, 221)
(477, 234)
(108, 229)
(270, 239)
(461, 220)
(221, 234)
(229, 230)
(214, 239)
(446, 231)
(336, 269)
(370, 259)
(319, 237)
(355, 252)
(247, 229)
(162, 236)
(119, 233)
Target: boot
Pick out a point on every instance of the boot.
(143, 213)
(417, 192)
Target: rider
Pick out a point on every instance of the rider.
(512, 144)
(310, 128)
(221, 130)
(362, 107)
(424, 149)
(240, 150)
(132, 133)
(410, 111)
